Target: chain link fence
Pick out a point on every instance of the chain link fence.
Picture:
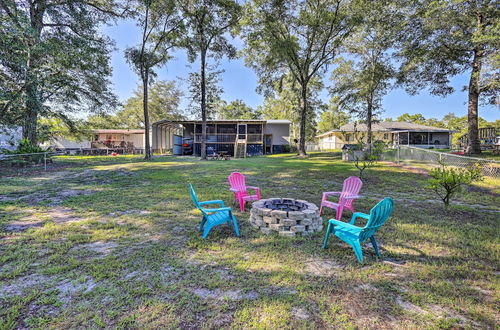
(414, 156)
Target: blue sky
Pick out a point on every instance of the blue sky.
(239, 82)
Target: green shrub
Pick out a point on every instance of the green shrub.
(368, 157)
(26, 147)
(447, 181)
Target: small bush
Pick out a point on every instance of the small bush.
(368, 157)
(286, 148)
(26, 147)
(447, 181)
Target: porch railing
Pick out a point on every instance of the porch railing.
(228, 138)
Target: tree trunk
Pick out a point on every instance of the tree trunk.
(32, 109)
(369, 115)
(473, 144)
(203, 105)
(145, 86)
(303, 118)
(33, 102)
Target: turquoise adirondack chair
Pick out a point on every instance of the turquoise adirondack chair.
(213, 217)
(354, 235)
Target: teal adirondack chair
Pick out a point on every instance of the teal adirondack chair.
(354, 235)
(213, 217)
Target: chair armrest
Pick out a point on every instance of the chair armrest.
(234, 190)
(329, 193)
(360, 215)
(254, 188)
(343, 224)
(221, 203)
(217, 209)
(352, 197)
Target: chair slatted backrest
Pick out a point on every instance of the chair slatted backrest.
(195, 198)
(378, 216)
(352, 185)
(237, 181)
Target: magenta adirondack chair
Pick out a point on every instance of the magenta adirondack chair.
(352, 186)
(238, 186)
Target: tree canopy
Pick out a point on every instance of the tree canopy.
(164, 103)
(236, 109)
(298, 37)
(445, 38)
(53, 59)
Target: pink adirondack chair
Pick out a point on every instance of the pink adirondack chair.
(352, 186)
(238, 186)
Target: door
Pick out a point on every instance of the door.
(268, 143)
(242, 131)
(177, 145)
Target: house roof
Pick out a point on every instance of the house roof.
(267, 121)
(118, 131)
(388, 126)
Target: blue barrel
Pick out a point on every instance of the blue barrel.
(177, 145)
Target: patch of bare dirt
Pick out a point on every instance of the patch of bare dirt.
(408, 168)
(130, 212)
(68, 289)
(23, 224)
(39, 197)
(99, 247)
(217, 294)
(409, 307)
(323, 267)
(21, 285)
(57, 214)
(61, 214)
(300, 313)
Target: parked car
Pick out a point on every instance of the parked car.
(187, 146)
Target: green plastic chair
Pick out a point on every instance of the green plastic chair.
(213, 217)
(354, 235)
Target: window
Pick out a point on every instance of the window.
(254, 128)
(226, 128)
(386, 136)
(347, 137)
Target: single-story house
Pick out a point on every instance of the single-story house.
(127, 140)
(237, 138)
(118, 138)
(391, 132)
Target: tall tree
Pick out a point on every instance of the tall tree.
(53, 60)
(161, 24)
(164, 99)
(364, 76)
(212, 89)
(449, 37)
(236, 109)
(208, 22)
(300, 37)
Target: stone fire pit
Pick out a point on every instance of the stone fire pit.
(286, 216)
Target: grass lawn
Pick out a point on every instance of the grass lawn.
(113, 242)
